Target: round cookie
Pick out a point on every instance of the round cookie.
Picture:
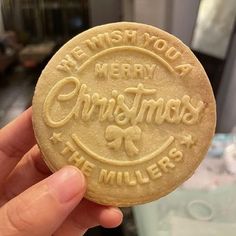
(130, 106)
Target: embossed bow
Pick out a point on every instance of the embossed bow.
(116, 135)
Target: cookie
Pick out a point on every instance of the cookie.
(130, 106)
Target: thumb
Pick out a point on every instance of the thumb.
(41, 209)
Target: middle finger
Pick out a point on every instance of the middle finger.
(87, 215)
(30, 170)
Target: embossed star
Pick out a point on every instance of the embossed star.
(188, 141)
(56, 137)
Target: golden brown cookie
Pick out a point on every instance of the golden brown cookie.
(130, 106)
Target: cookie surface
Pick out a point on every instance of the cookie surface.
(130, 106)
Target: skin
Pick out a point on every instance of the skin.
(36, 202)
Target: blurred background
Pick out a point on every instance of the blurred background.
(31, 31)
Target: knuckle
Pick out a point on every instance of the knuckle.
(18, 217)
(12, 151)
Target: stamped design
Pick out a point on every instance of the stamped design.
(56, 137)
(125, 105)
(148, 157)
(116, 135)
(123, 112)
(115, 108)
(188, 141)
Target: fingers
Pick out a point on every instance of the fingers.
(41, 209)
(30, 170)
(95, 214)
(88, 214)
(15, 140)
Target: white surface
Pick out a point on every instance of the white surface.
(203, 206)
(214, 26)
(198, 228)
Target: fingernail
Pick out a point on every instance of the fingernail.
(67, 183)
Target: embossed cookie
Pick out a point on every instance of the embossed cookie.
(130, 106)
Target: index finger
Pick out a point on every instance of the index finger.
(15, 140)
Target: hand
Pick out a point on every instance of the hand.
(33, 202)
